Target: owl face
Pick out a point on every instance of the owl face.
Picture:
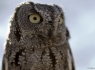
(40, 19)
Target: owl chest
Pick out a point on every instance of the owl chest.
(52, 58)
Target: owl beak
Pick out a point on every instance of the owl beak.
(50, 33)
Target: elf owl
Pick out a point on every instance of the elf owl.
(38, 39)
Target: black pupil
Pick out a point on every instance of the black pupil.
(35, 18)
(59, 20)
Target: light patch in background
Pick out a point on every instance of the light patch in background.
(92, 63)
(84, 30)
(83, 40)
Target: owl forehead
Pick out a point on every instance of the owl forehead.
(49, 10)
(44, 9)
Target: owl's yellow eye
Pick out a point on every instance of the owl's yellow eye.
(34, 18)
(60, 20)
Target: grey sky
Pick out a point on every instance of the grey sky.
(80, 20)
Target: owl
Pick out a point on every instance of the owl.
(37, 39)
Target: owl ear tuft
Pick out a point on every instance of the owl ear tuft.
(32, 3)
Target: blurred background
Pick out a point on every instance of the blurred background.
(80, 20)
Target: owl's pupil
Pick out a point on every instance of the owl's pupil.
(59, 20)
(35, 18)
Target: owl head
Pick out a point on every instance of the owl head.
(32, 20)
